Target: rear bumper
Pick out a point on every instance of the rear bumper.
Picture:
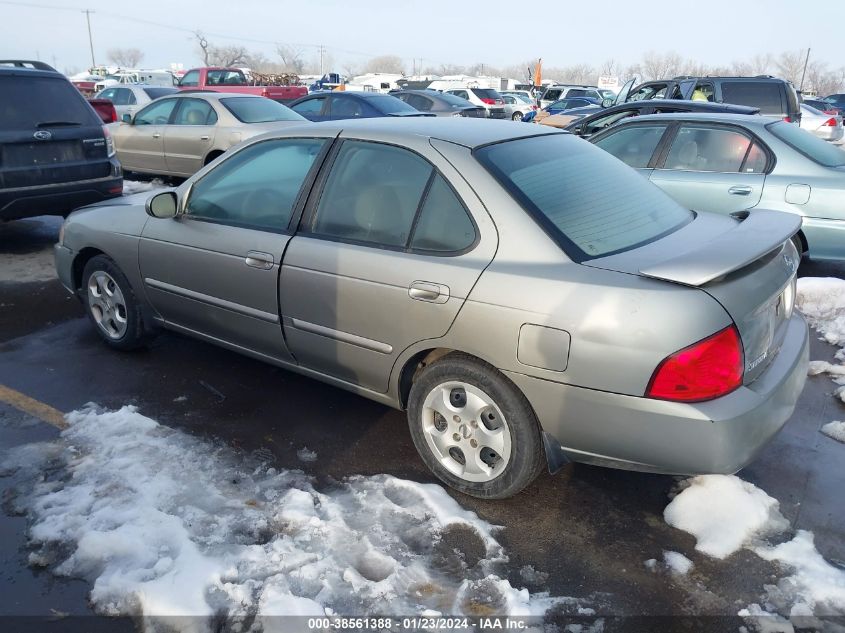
(831, 134)
(825, 238)
(720, 436)
(60, 198)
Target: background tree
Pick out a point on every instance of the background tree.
(292, 58)
(125, 57)
(385, 64)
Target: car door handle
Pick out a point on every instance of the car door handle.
(257, 259)
(156, 135)
(740, 190)
(203, 138)
(427, 291)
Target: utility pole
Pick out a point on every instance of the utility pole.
(803, 74)
(322, 48)
(88, 13)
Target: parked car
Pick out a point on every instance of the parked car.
(560, 106)
(826, 126)
(55, 152)
(560, 91)
(128, 99)
(439, 103)
(824, 106)
(105, 110)
(837, 100)
(517, 106)
(332, 106)
(518, 291)
(234, 80)
(524, 93)
(774, 97)
(596, 121)
(725, 163)
(487, 98)
(178, 135)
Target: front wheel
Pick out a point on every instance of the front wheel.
(517, 116)
(111, 305)
(473, 428)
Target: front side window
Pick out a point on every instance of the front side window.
(195, 112)
(372, 194)
(310, 106)
(587, 201)
(346, 108)
(191, 78)
(421, 103)
(156, 113)
(258, 186)
(633, 145)
(697, 148)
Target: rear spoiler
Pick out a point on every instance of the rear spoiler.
(757, 233)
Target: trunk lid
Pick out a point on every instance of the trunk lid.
(746, 262)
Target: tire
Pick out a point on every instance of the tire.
(517, 116)
(507, 453)
(112, 306)
(799, 246)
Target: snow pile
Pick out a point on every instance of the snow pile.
(836, 430)
(822, 301)
(725, 513)
(677, 563)
(137, 186)
(166, 524)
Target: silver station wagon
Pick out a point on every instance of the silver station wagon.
(526, 297)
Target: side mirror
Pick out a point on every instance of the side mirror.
(127, 118)
(606, 102)
(163, 205)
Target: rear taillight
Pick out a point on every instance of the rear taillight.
(708, 369)
(787, 119)
(488, 101)
(830, 123)
(109, 142)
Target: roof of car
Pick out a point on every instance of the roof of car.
(699, 105)
(207, 94)
(716, 117)
(467, 132)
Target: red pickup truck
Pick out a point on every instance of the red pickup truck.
(234, 80)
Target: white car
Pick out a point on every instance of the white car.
(525, 93)
(487, 98)
(517, 106)
(561, 91)
(128, 99)
(826, 126)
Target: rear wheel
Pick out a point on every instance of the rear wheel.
(112, 306)
(473, 428)
(799, 244)
(517, 116)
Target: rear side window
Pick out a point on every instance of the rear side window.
(388, 104)
(311, 106)
(811, 146)
(633, 145)
(195, 112)
(27, 103)
(444, 225)
(346, 108)
(590, 203)
(713, 149)
(761, 94)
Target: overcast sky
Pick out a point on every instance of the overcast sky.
(438, 31)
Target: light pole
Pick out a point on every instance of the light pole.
(804, 72)
(88, 13)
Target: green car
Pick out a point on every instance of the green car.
(725, 163)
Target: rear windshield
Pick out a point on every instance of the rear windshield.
(486, 93)
(388, 104)
(588, 201)
(760, 94)
(811, 146)
(155, 93)
(258, 110)
(32, 102)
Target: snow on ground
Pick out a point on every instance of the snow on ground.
(677, 563)
(167, 524)
(306, 455)
(137, 186)
(725, 514)
(836, 430)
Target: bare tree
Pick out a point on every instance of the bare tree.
(385, 64)
(661, 66)
(609, 68)
(292, 58)
(221, 55)
(125, 57)
(203, 45)
(790, 65)
(350, 69)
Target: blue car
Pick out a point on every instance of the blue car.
(556, 107)
(335, 105)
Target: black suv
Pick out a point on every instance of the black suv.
(55, 153)
(774, 97)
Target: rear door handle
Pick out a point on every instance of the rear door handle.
(257, 259)
(740, 190)
(428, 291)
(156, 135)
(203, 138)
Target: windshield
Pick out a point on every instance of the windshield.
(811, 146)
(259, 110)
(588, 201)
(32, 102)
(389, 104)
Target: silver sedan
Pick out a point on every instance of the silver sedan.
(527, 298)
(827, 127)
(128, 99)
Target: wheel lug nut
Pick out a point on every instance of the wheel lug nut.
(457, 418)
(473, 443)
(474, 424)
(456, 437)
